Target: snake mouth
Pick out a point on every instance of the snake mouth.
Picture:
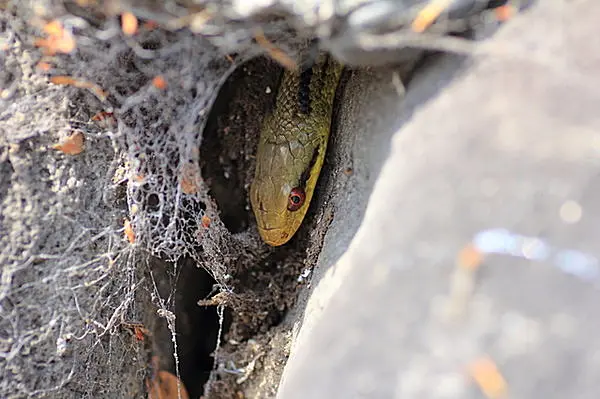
(268, 228)
(274, 236)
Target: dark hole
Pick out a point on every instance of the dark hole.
(153, 202)
(6, 171)
(8, 78)
(151, 45)
(296, 199)
(197, 326)
(235, 120)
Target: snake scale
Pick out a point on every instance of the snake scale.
(291, 149)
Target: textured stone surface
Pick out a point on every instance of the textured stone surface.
(510, 142)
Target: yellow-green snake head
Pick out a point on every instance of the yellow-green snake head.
(291, 150)
(283, 187)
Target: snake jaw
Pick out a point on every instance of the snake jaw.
(291, 221)
(276, 224)
(274, 237)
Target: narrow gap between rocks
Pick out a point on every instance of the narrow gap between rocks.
(197, 326)
(263, 279)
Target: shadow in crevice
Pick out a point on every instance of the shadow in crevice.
(197, 326)
(263, 280)
(180, 287)
(230, 137)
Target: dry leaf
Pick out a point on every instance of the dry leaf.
(488, 378)
(470, 257)
(139, 178)
(429, 14)
(129, 23)
(82, 84)
(58, 41)
(102, 116)
(140, 332)
(71, 145)
(159, 82)
(164, 386)
(505, 12)
(275, 53)
(129, 233)
(105, 119)
(54, 28)
(44, 66)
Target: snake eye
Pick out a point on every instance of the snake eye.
(296, 199)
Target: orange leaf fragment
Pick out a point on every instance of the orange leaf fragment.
(488, 378)
(505, 12)
(59, 40)
(159, 82)
(102, 116)
(71, 145)
(429, 14)
(82, 84)
(164, 386)
(129, 233)
(470, 258)
(140, 332)
(44, 66)
(105, 119)
(129, 23)
(138, 178)
(277, 54)
(190, 177)
(63, 80)
(54, 28)
(66, 44)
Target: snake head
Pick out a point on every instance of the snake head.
(291, 149)
(283, 186)
(279, 211)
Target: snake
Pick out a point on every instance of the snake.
(291, 148)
